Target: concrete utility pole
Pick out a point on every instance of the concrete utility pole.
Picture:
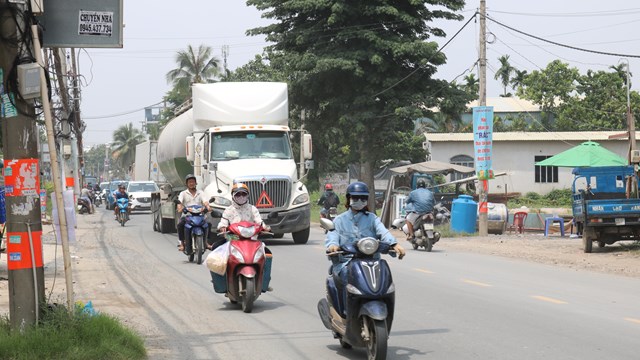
(22, 176)
(483, 220)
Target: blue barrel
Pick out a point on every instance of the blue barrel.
(463, 214)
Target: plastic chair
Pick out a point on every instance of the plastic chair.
(549, 221)
(518, 221)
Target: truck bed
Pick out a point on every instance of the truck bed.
(611, 211)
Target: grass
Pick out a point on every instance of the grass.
(71, 336)
(446, 232)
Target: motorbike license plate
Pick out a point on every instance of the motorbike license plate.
(428, 226)
(619, 221)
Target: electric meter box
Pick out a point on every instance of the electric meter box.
(29, 80)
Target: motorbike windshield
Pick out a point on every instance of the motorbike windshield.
(250, 145)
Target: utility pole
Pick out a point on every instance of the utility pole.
(483, 220)
(77, 123)
(22, 174)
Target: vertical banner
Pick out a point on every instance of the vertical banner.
(482, 141)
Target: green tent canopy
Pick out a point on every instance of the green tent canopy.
(587, 154)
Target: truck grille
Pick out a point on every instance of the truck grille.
(276, 192)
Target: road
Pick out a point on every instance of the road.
(450, 305)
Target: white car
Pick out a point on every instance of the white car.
(140, 194)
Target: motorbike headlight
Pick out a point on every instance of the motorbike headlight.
(236, 253)
(259, 254)
(353, 290)
(247, 232)
(219, 200)
(301, 199)
(368, 246)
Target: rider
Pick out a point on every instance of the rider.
(328, 200)
(419, 202)
(240, 210)
(188, 197)
(86, 194)
(121, 193)
(351, 226)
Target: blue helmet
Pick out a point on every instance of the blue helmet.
(357, 188)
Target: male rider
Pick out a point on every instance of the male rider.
(188, 197)
(328, 200)
(353, 225)
(121, 193)
(419, 202)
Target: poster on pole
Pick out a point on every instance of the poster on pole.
(483, 141)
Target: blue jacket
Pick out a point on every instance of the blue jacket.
(421, 201)
(350, 227)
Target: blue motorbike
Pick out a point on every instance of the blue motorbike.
(360, 312)
(196, 229)
(123, 210)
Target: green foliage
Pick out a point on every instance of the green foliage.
(71, 335)
(194, 66)
(556, 198)
(347, 65)
(257, 69)
(94, 160)
(504, 73)
(123, 148)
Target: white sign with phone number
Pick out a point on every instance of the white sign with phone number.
(95, 23)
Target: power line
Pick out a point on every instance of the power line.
(120, 114)
(576, 14)
(563, 45)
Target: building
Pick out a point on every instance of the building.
(516, 154)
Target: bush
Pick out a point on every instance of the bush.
(556, 198)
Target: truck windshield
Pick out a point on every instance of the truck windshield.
(247, 145)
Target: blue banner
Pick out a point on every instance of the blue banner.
(482, 141)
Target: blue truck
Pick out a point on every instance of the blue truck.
(602, 211)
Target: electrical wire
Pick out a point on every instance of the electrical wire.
(122, 113)
(631, 11)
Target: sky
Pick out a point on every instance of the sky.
(119, 83)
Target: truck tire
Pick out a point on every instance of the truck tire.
(165, 225)
(301, 237)
(154, 219)
(588, 235)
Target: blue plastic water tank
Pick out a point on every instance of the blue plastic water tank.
(463, 214)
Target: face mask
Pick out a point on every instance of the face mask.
(358, 205)
(241, 199)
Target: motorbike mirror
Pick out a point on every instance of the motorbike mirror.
(272, 215)
(212, 199)
(327, 224)
(215, 213)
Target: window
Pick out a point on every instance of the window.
(462, 160)
(545, 174)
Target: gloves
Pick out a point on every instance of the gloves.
(222, 230)
(333, 248)
(184, 210)
(399, 250)
(266, 228)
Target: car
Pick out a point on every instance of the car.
(113, 186)
(140, 194)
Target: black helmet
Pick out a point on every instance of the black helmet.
(357, 188)
(190, 176)
(421, 183)
(121, 186)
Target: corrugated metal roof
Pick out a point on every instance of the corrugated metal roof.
(508, 104)
(530, 136)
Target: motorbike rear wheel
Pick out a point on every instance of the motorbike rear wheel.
(378, 335)
(249, 294)
(428, 244)
(199, 243)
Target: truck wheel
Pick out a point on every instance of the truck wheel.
(154, 218)
(165, 225)
(587, 239)
(301, 237)
(278, 235)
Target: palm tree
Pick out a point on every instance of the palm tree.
(471, 84)
(504, 73)
(194, 66)
(125, 139)
(517, 81)
(621, 70)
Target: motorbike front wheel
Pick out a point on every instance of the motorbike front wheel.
(121, 218)
(199, 243)
(249, 294)
(378, 335)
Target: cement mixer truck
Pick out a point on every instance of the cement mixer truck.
(235, 132)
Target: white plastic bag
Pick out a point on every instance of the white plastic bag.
(217, 259)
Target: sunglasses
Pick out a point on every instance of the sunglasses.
(360, 197)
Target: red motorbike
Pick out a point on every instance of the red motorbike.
(248, 266)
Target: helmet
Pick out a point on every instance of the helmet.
(357, 188)
(190, 176)
(421, 183)
(239, 187)
(121, 186)
(328, 187)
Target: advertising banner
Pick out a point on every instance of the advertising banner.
(482, 141)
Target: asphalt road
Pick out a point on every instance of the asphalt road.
(450, 305)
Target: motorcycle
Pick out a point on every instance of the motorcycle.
(196, 229)
(83, 205)
(443, 215)
(248, 271)
(424, 234)
(331, 214)
(123, 210)
(360, 313)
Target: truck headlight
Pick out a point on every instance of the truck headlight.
(301, 199)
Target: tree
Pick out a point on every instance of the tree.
(257, 69)
(360, 68)
(504, 73)
(194, 66)
(123, 147)
(471, 85)
(517, 81)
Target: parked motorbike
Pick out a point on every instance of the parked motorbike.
(123, 213)
(360, 313)
(442, 214)
(196, 229)
(83, 205)
(248, 270)
(424, 234)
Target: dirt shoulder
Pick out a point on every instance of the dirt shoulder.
(622, 258)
